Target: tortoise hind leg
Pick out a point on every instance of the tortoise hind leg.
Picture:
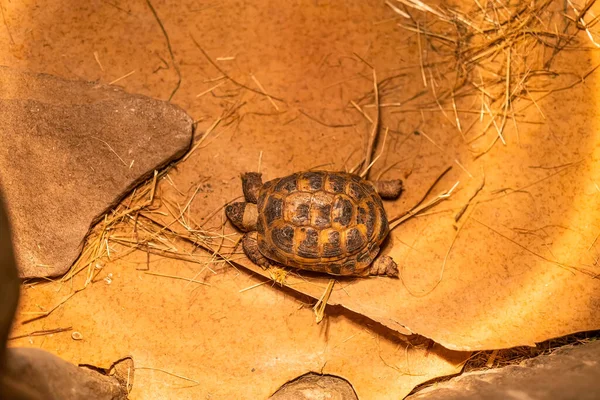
(251, 184)
(389, 190)
(250, 246)
(384, 265)
(371, 263)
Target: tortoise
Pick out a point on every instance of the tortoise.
(329, 222)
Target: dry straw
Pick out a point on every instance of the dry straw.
(491, 61)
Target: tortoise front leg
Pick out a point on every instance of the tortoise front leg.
(384, 265)
(251, 184)
(389, 190)
(250, 246)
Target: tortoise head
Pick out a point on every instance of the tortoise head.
(243, 215)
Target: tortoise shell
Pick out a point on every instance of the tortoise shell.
(331, 222)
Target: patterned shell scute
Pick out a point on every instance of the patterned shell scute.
(321, 220)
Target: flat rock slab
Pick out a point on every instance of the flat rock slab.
(70, 150)
(568, 373)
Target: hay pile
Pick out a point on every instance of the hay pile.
(484, 63)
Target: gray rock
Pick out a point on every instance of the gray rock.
(316, 387)
(71, 150)
(36, 374)
(570, 373)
